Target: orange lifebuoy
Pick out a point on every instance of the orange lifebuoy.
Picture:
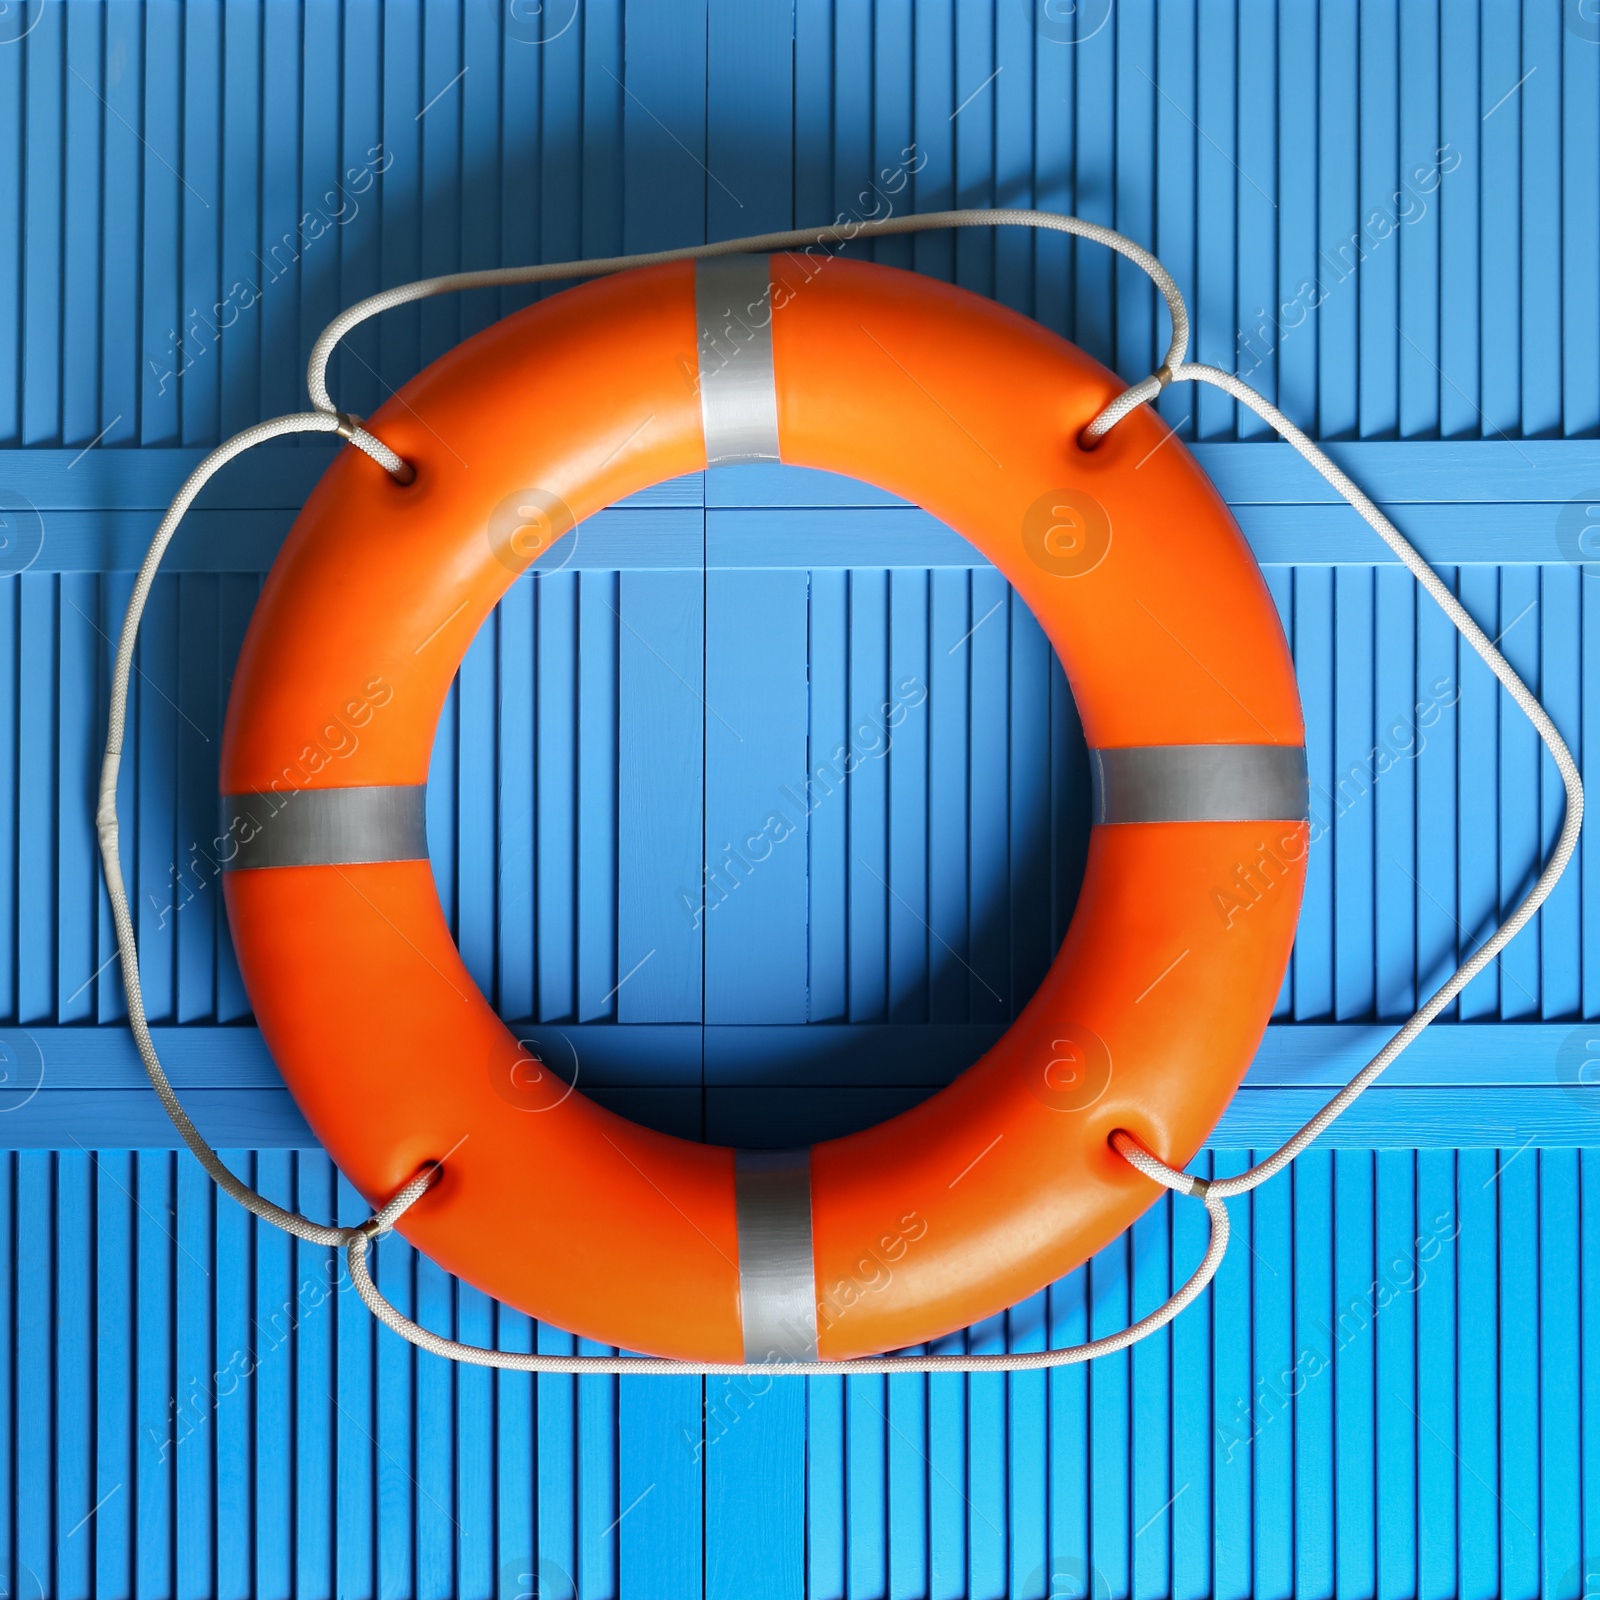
(1162, 987)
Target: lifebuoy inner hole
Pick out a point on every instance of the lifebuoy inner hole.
(841, 815)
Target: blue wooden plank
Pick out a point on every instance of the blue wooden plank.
(1500, 113)
(556, 1518)
(10, 789)
(1354, 1338)
(1136, 130)
(436, 1443)
(72, 1397)
(1478, 1362)
(1437, 1419)
(355, 1505)
(229, 1388)
(194, 1351)
(236, 603)
(1416, 208)
(1352, 801)
(201, 287)
(749, 78)
(666, 182)
(866, 1507)
(951, 629)
(1300, 269)
(1233, 1489)
(555, 792)
(1398, 1273)
(12, 334)
(285, 237)
(1194, 1442)
(1255, 347)
(1110, 1528)
(514, 1485)
(77, 718)
(514, 804)
(1538, 106)
(10, 1290)
(1378, 214)
(35, 1528)
(248, 265)
(41, 212)
(1461, 207)
(664, 1460)
(116, 1435)
(1589, 1377)
(1342, 239)
(274, 1319)
(1312, 639)
(899, 742)
(1068, 1431)
(661, 743)
(989, 869)
(599, 1514)
(81, 245)
(1560, 677)
(826, 1529)
(400, 138)
(475, 832)
(1520, 763)
(1217, 184)
(1093, 70)
(36, 809)
(1560, 1431)
(1477, 806)
(314, 1406)
(755, 1491)
(110, 1004)
(1400, 703)
(1032, 913)
(866, 792)
(1150, 1412)
(396, 1365)
(159, 888)
(161, 1424)
(1516, 1182)
(475, 1464)
(757, 797)
(908, 1485)
(1315, 1418)
(1265, 1425)
(199, 707)
(437, 120)
(1580, 227)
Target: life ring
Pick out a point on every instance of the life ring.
(1161, 990)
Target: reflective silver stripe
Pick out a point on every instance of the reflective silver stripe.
(777, 1281)
(325, 827)
(738, 388)
(1201, 783)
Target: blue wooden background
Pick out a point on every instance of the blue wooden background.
(1388, 216)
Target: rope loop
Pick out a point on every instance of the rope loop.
(357, 1241)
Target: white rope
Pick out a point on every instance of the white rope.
(1213, 1195)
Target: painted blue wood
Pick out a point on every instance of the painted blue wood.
(1386, 218)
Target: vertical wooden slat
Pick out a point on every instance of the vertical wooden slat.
(661, 742)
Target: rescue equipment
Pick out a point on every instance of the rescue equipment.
(1147, 592)
(1156, 1001)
